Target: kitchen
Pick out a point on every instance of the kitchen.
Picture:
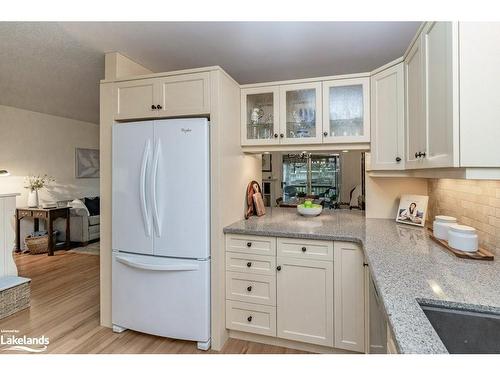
(346, 280)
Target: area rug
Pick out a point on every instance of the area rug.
(91, 248)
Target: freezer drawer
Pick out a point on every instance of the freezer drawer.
(162, 296)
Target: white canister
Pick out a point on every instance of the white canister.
(441, 225)
(463, 237)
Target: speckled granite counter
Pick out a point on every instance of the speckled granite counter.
(406, 266)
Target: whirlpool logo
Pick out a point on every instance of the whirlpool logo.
(186, 130)
(10, 342)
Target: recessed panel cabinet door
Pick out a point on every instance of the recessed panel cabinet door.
(305, 300)
(349, 281)
(415, 107)
(387, 113)
(135, 99)
(441, 88)
(186, 94)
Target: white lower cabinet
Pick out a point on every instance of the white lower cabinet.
(302, 290)
(305, 300)
(349, 281)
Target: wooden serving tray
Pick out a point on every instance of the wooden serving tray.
(480, 254)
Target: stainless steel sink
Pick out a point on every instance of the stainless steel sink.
(465, 332)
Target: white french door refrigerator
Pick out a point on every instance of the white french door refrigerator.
(161, 228)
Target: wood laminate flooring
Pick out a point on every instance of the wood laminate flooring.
(65, 308)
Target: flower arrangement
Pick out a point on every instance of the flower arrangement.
(34, 183)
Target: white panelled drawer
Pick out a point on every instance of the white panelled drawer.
(251, 244)
(250, 317)
(246, 287)
(305, 249)
(251, 263)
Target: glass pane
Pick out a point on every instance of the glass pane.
(260, 119)
(346, 111)
(301, 113)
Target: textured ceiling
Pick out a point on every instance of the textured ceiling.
(56, 67)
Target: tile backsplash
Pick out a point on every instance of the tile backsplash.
(472, 202)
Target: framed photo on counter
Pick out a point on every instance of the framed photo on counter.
(412, 209)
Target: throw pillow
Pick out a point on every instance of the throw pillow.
(93, 205)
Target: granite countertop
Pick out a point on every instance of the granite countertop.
(407, 267)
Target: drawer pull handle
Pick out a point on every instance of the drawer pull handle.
(304, 249)
(249, 288)
(249, 244)
(249, 264)
(249, 318)
(278, 268)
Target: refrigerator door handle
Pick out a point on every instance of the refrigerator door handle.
(142, 188)
(157, 267)
(154, 176)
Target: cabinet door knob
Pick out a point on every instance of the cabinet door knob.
(282, 135)
(249, 244)
(398, 159)
(249, 264)
(325, 134)
(304, 249)
(422, 154)
(278, 268)
(275, 135)
(158, 106)
(249, 318)
(249, 288)
(416, 155)
(153, 106)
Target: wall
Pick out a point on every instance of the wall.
(36, 143)
(383, 193)
(472, 202)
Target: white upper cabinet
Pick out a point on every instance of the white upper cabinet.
(346, 110)
(415, 109)
(451, 113)
(300, 113)
(387, 119)
(440, 94)
(260, 116)
(178, 95)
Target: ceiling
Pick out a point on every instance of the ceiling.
(55, 68)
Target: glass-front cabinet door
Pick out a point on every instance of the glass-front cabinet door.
(346, 110)
(260, 116)
(300, 113)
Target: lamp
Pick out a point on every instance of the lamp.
(4, 173)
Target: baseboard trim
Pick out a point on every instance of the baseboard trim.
(287, 343)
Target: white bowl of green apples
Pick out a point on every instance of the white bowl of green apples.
(308, 208)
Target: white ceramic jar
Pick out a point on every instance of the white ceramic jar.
(463, 237)
(441, 225)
